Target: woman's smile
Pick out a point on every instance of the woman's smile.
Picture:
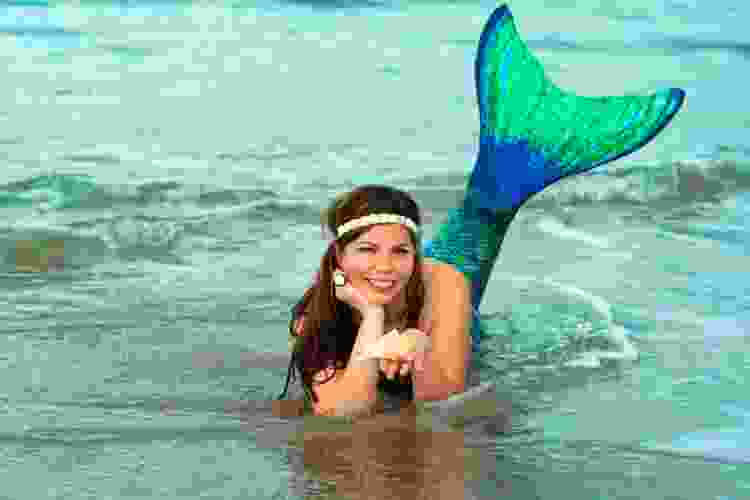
(380, 284)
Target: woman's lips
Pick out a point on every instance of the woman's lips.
(381, 285)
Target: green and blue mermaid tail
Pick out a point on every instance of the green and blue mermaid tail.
(532, 134)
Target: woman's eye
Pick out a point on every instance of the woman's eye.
(400, 250)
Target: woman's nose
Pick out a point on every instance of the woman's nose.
(383, 262)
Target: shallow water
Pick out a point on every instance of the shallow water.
(164, 164)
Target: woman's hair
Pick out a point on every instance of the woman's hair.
(328, 332)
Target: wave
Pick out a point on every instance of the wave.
(585, 335)
(149, 219)
(33, 24)
(678, 182)
(137, 433)
(60, 191)
(725, 445)
(693, 45)
(73, 222)
(681, 182)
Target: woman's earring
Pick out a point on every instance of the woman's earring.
(339, 278)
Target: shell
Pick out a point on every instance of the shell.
(394, 345)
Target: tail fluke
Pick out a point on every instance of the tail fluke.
(533, 134)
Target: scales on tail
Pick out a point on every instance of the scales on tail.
(532, 134)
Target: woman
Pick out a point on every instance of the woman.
(532, 134)
(386, 282)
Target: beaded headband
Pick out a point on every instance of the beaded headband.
(377, 219)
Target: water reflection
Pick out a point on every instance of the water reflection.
(400, 455)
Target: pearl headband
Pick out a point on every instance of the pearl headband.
(377, 219)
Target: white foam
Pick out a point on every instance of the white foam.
(616, 333)
(555, 227)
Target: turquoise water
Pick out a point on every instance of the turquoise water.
(164, 164)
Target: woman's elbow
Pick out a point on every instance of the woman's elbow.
(436, 391)
(351, 409)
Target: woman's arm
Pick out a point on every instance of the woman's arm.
(450, 309)
(353, 391)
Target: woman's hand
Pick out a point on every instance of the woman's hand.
(404, 364)
(355, 298)
(412, 362)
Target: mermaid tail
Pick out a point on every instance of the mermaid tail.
(532, 134)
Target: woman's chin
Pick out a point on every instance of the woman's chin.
(383, 298)
(380, 300)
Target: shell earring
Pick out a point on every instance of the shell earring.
(339, 278)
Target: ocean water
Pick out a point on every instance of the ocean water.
(163, 167)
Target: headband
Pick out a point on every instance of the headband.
(377, 219)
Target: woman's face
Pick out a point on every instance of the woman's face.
(380, 262)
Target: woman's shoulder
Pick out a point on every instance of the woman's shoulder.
(433, 272)
(430, 267)
(437, 274)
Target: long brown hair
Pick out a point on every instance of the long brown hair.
(329, 332)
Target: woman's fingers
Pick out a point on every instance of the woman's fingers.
(385, 367)
(390, 367)
(407, 364)
(393, 367)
